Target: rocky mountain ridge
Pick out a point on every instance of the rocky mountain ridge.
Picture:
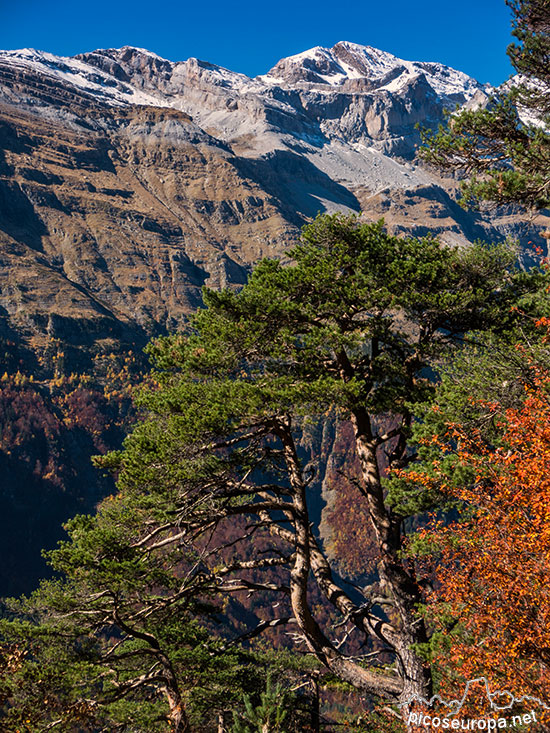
(131, 75)
(128, 181)
(316, 87)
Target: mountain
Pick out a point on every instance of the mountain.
(127, 182)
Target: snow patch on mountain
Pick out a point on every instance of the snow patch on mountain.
(81, 75)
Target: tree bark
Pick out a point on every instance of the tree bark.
(178, 719)
(315, 708)
(394, 577)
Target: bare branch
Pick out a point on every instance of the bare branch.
(260, 628)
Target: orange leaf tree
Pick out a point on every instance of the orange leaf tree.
(491, 594)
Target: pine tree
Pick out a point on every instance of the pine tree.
(350, 329)
(267, 717)
(503, 148)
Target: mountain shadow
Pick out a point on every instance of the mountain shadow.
(300, 188)
(18, 218)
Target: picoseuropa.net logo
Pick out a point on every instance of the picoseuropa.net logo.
(471, 723)
(504, 710)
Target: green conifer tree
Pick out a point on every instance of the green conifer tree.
(503, 148)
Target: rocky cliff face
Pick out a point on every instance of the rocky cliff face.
(128, 181)
(111, 224)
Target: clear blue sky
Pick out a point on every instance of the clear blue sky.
(470, 35)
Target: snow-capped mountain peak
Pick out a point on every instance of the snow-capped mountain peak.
(132, 75)
(97, 74)
(350, 95)
(347, 61)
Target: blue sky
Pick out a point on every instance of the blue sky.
(252, 36)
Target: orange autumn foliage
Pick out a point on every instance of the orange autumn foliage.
(495, 571)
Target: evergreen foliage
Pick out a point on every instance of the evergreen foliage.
(353, 328)
(504, 147)
(270, 715)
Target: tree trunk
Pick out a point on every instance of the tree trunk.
(178, 719)
(396, 581)
(315, 712)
